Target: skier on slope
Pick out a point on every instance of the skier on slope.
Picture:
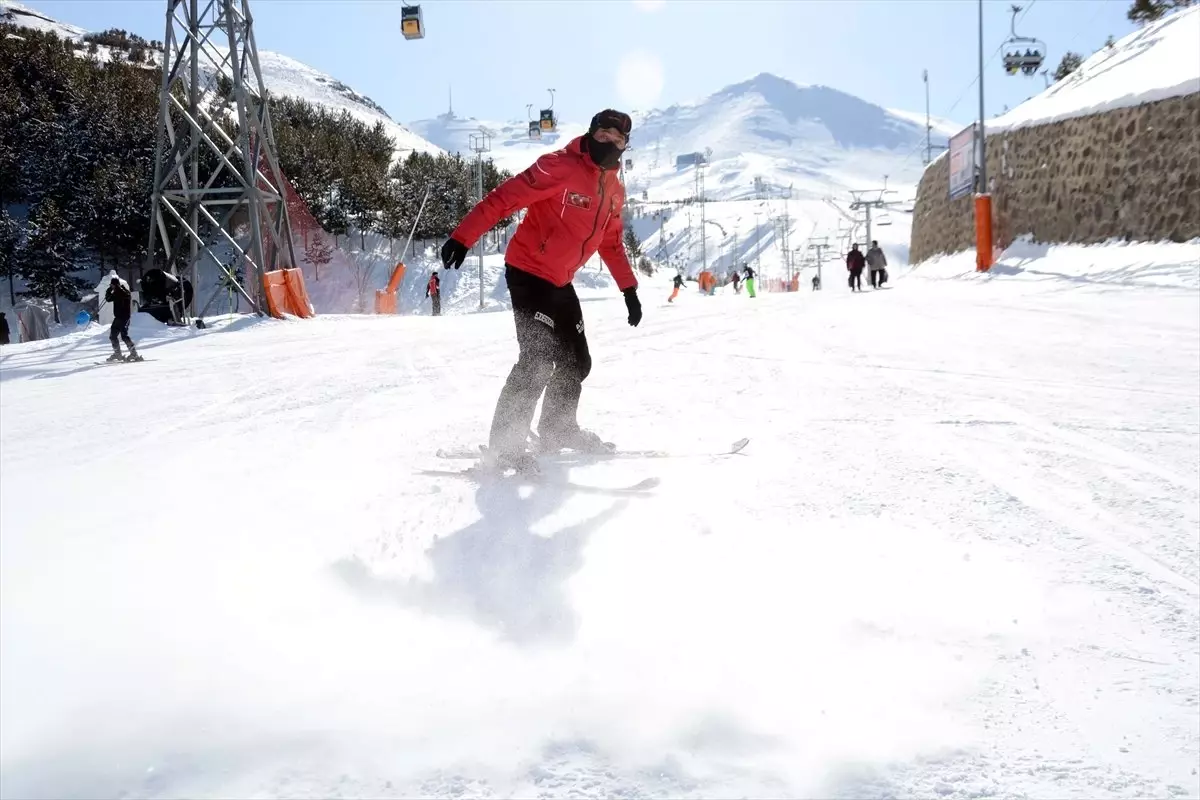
(749, 273)
(121, 297)
(854, 264)
(574, 200)
(678, 282)
(735, 278)
(433, 290)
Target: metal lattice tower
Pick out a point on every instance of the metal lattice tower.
(862, 201)
(480, 143)
(204, 204)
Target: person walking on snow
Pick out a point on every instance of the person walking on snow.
(121, 297)
(876, 261)
(735, 277)
(574, 199)
(433, 290)
(855, 263)
(4, 331)
(678, 285)
(749, 274)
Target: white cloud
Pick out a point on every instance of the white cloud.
(649, 6)
(639, 80)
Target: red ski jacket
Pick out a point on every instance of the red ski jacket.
(574, 210)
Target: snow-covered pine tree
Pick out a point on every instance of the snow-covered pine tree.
(10, 250)
(49, 255)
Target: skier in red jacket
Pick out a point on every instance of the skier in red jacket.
(574, 200)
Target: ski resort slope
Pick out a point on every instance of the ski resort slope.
(959, 556)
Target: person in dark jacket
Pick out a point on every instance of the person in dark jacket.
(4, 332)
(678, 282)
(574, 199)
(749, 274)
(121, 298)
(433, 290)
(855, 261)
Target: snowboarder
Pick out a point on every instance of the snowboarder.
(735, 278)
(678, 281)
(749, 274)
(433, 290)
(4, 332)
(876, 262)
(574, 199)
(121, 297)
(855, 263)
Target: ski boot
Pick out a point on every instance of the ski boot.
(522, 462)
(577, 439)
(116, 356)
(133, 356)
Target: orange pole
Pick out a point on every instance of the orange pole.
(983, 232)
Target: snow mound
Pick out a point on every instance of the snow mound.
(1159, 61)
(1145, 264)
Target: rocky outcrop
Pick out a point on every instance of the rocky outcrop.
(1131, 173)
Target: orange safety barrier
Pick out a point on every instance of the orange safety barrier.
(285, 293)
(984, 255)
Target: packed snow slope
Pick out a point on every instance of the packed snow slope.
(959, 556)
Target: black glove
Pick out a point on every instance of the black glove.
(453, 253)
(634, 305)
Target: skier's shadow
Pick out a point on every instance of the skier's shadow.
(497, 571)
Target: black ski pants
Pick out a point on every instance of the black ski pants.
(436, 297)
(856, 278)
(120, 327)
(876, 278)
(553, 358)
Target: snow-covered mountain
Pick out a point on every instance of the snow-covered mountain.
(283, 75)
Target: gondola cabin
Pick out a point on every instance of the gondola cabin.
(535, 130)
(629, 163)
(411, 23)
(548, 122)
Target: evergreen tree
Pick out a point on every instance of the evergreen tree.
(10, 248)
(1146, 11)
(50, 253)
(318, 252)
(1070, 62)
(633, 247)
(1110, 42)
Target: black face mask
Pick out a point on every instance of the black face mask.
(605, 155)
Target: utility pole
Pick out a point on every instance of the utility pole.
(703, 229)
(820, 247)
(983, 198)
(188, 204)
(480, 143)
(929, 145)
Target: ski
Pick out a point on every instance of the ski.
(122, 361)
(568, 455)
(479, 474)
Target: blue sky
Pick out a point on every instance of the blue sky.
(499, 55)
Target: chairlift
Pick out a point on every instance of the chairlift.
(535, 128)
(411, 23)
(548, 120)
(883, 220)
(629, 163)
(1027, 62)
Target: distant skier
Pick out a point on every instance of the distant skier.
(574, 199)
(876, 263)
(4, 332)
(735, 278)
(749, 274)
(855, 263)
(678, 285)
(433, 290)
(121, 298)
(816, 283)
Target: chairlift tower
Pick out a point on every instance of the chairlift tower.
(862, 201)
(819, 247)
(246, 184)
(480, 143)
(703, 229)
(929, 145)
